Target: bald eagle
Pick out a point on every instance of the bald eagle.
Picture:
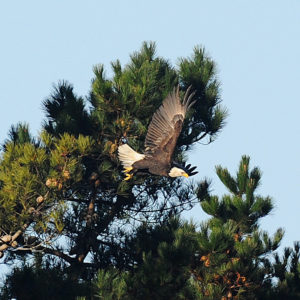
(161, 138)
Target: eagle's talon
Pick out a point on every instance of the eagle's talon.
(128, 176)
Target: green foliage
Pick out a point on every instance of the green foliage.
(34, 179)
(200, 71)
(161, 271)
(285, 270)
(66, 112)
(111, 285)
(243, 205)
(233, 252)
(19, 134)
(46, 283)
(21, 170)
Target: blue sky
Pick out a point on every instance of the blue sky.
(256, 47)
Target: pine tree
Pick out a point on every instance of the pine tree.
(62, 194)
(233, 260)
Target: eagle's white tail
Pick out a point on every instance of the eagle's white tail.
(128, 156)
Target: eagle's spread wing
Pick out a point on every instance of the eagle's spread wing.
(166, 125)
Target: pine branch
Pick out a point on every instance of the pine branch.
(59, 254)
(12, 239)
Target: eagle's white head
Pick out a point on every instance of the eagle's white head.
(176, 172)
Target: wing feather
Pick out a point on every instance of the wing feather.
(166, 124)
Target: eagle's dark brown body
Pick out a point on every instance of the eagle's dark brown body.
(161, 140)
(153, 166)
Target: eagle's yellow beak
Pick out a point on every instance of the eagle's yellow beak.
(185, 175)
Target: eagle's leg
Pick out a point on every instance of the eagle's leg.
(127, 173)
(128, 176)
